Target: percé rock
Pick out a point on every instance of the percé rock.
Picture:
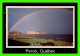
(35, 32)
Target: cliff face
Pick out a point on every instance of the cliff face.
(35, 32)
(14, 33)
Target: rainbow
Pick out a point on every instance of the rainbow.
(35, 13)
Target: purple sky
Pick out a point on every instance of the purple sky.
(51, 21)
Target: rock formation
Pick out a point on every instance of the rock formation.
(14, 33)
(35, 32)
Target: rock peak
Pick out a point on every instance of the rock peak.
(35, 32)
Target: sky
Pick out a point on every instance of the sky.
(53, 21)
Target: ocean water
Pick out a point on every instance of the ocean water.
(60, 37)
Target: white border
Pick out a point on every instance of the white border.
(40, 46)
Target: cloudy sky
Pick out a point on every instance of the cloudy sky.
(53, 21)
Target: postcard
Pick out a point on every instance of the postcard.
(40, 28)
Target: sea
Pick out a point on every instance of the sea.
(56, 37)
